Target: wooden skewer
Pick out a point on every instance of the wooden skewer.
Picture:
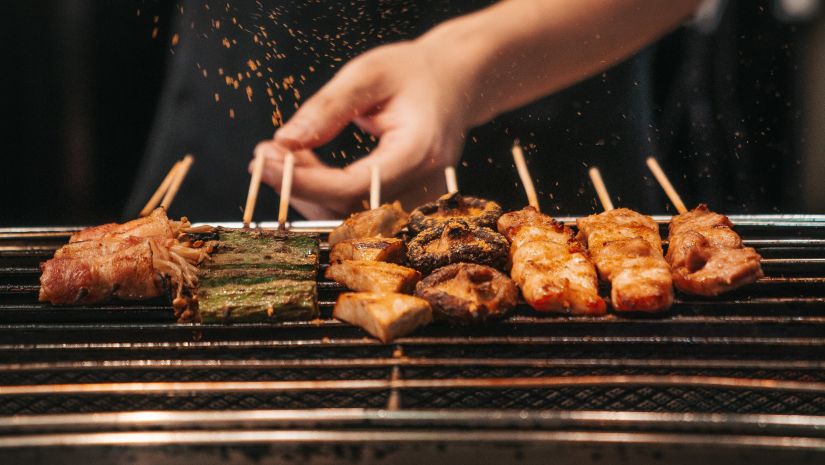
(671, 193)
(524, 174)
(601, 190)
(162, 188)
(254, 186)
(180, 175)
(452, 182)
(286, 189)
(375, 186)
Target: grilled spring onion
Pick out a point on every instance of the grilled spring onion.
(259, 276)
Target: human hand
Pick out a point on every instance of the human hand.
(409, 96)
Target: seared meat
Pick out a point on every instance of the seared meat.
(466, 293)
(456, 241)
(473, 211)
(627, 250)
(384, 221)
(550, 266)
(157, 225)
(376, 249)
(127, 273)
(367, 276)
(384, 315)
(706, 256)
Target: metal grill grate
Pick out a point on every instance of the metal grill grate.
(759, 350)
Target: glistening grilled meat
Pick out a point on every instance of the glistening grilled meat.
(706, 256)
(384, 221)
(384, 315)
(627, 250)
(456, 241)
(376, 249)
(473, 211)
(156, 225)
(466, 293)
(550, 266)
(368, 276)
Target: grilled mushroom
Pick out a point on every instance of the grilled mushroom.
(456, 241)
(466, 293)
(472, 210)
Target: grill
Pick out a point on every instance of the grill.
(733, 376)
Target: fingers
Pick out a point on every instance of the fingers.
(354, 91)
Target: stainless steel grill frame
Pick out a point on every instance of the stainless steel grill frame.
(723, 379)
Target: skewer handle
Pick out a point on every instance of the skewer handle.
(162, 188)
(254, 186)
(452, 182)
(180, 175)
(671, 193)
(375, 186)
(524, 175)
(286, 189)
(601, 190)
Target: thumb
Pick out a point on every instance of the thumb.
(352, 92)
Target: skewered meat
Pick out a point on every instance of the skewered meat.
(456, 241)
(706, 256)
(466, 293)
(550, 266)
(384, 315)
(473, 211)
(257, 275)
(156, 225)
(126, 273)
(627, 250)
(376, 249)
(385, 221)
(367, 276)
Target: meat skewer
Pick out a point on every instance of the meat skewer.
(254, 187)
(174, 186)
(706, 256)
(550, 266)
(375, 186)
(161, 190)
(627, 250)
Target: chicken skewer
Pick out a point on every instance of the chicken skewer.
(627, 250)
(550, 266)
(706, 256)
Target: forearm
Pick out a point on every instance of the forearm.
(516, 51)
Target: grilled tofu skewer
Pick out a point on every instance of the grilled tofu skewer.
(706, 256)
(627, 250)
(550, 266)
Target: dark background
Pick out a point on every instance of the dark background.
(82, 81)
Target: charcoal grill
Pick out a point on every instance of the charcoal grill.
(739, 378)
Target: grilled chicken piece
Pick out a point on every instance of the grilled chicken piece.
(466, 293)
(456, 241)
(156, 225)
(385, 221)
(473, 211)
(376, 249)
(384, 315)
(627, 250)
(550, 266)
(706, 256)
(127, 273)
(367, 276)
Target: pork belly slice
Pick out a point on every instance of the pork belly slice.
(627, 250)
(707, 257)
(367, 276)
(550, 266)
(376, 249)
(386, 316)
(127, 274)
(156, 225)
(385, 221)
